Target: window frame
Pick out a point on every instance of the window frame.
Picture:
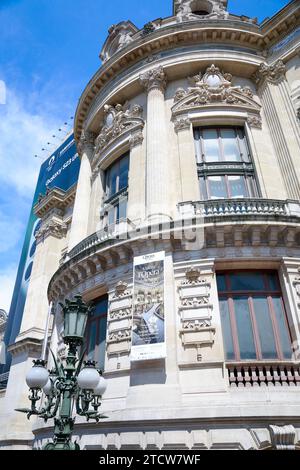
(222, 167)
(113, 201)
(268, 294)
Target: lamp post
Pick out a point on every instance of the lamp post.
(73, 383)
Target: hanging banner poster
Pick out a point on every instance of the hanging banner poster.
(148, 330)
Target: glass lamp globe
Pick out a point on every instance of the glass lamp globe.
(38, 376)
(47, 389)
(101, 387)
(88, 377)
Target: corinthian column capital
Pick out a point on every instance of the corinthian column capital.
(271, 73)
(87, 141)
(155, 78)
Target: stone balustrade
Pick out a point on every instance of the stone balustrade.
(263, 374)
(240, 207)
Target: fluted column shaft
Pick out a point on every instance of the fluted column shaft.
(80, 218)
(282, 123)
(157, 177)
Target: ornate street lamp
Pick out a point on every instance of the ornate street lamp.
(75, 382)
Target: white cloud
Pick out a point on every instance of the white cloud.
(7, 281)
(23, 134)
(10, 229)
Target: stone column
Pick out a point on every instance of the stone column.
(157, 174)
(187, 161)
(136, 195)
(282, 123)
(80, 218)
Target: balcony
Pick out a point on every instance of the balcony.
(238, 208)
(266, 374)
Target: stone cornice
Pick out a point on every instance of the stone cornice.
(233, 32)
(27, 345)
(55, 198)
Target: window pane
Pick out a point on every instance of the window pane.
(217, 187)
(282, 327)
(124, 166)
(111, 215)
(203, 190)
(246, 281)
(211, 145)
(226, 329)
(243, 145)
(230, 145)
(112, 180)
(273, 281)
(265, 328)
(197, 145)
(244, 327)
(237, 186)
(122, 208)
(100, 307)
(101, 341)
(221, 282)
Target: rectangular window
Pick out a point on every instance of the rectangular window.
(116, 190)
(254, 322)
(96, 332)
(225, 169)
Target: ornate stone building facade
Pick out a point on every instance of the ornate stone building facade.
(189, 139)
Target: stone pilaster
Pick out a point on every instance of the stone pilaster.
(80, 219)
(97, 198)
(137, 183)
(157, 174)
(282, 123)
(187, 161)
(290, 283)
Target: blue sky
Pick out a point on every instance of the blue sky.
(49, 49)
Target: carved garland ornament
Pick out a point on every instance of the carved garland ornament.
(117, 121)
(210, 89)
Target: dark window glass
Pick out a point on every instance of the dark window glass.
(226, 328)
(265, 328)
(252, 309)
(244, 328)
(96, 332)
(117, 176)
(247, 281)
(117, 182)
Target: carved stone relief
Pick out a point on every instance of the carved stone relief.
(118, 120)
